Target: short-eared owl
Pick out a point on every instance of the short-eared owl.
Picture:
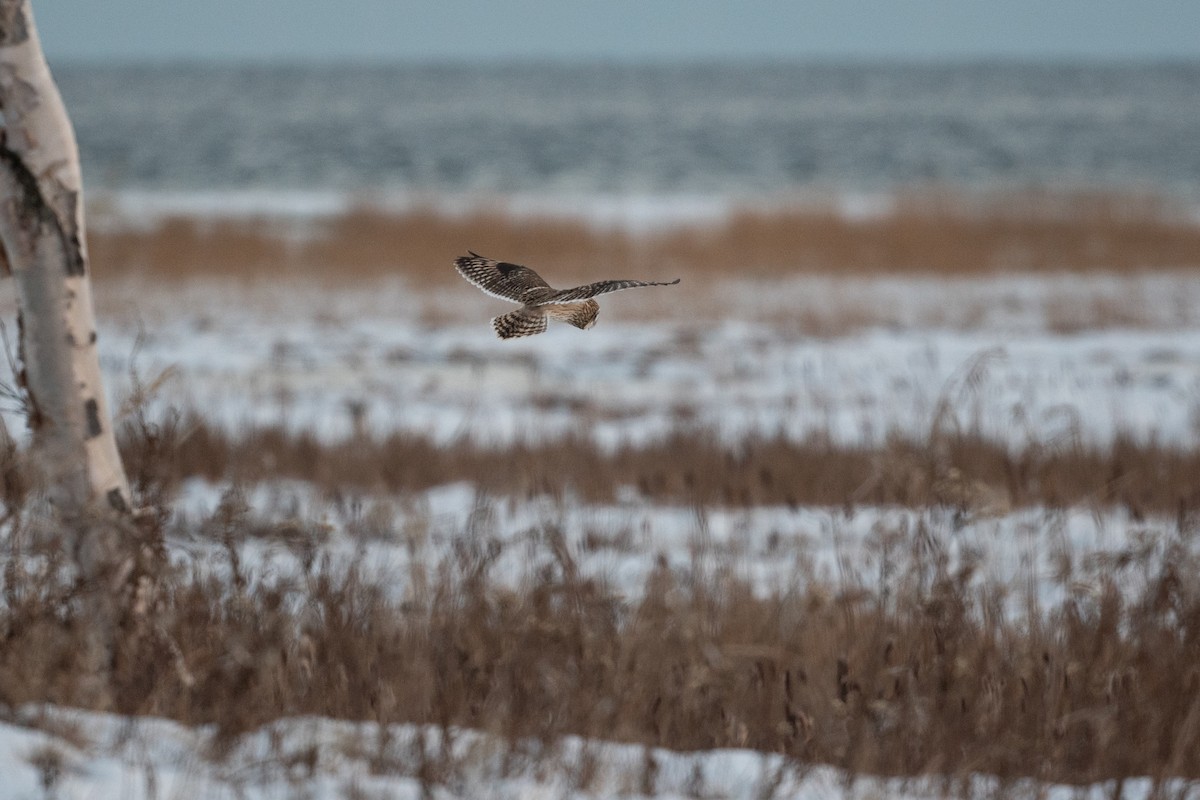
(539, 301)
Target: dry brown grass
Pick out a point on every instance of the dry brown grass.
(919, 669)
(962, 471)
(928, 234)
(921, 673)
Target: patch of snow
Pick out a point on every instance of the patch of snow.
(109, 756)
(630, 382)
(773, 549)
(632, 211)
(977, 355)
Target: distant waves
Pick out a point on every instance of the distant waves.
(565, 132)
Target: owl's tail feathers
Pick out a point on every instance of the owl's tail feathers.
(521, 322)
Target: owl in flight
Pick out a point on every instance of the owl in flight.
(540, 302)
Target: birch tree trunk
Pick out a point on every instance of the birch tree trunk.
(42, 232)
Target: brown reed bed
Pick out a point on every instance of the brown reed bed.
(962, 471)
(920, 674)
(923, 233)
(919, 668)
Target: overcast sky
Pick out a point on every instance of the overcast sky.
(299, 30)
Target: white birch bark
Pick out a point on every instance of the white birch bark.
(42, 231)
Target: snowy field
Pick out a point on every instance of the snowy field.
(1019, 360)
(397, 542)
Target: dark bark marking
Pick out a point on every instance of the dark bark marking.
(14, 27)
(31, 202)
(34, 213)
(70, 223)
(73, 342)
(117, 500)
(34, 417)
(91, 412)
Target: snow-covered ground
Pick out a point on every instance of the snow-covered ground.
(394, 542)
(1016, 359)
(50, 752)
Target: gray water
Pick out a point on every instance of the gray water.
(707, 129)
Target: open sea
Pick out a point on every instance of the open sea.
(674, 134)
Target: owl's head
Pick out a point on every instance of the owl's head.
(581, 315)
(587, 317)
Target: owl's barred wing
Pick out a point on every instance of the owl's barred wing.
(521, 322)
(503, 280)
(601, 287)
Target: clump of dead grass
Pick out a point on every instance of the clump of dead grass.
(961, 470)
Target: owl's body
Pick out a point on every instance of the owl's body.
(539, 301)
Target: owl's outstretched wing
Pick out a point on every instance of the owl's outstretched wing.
(502, 279)
(594, 289)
